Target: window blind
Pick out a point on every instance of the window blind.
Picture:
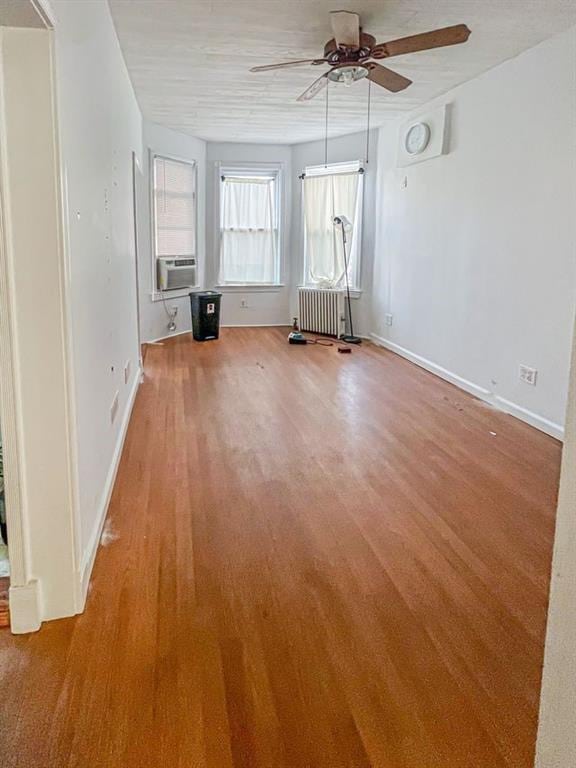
(174, 208)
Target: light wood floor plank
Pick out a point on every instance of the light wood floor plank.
(316, 561)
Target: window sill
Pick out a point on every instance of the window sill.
(178, 293)
(244, 288)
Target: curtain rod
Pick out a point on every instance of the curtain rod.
(248, 178)
(343, 173)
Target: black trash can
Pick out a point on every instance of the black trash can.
(205, 307)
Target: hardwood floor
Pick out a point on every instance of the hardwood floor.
(4, 607)
(313, 560)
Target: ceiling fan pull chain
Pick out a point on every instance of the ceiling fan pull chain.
(326, 128)
(368, 122)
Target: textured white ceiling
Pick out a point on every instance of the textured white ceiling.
(189, 59)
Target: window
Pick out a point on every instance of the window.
(249, 227)
(174, 203)
(331, 191)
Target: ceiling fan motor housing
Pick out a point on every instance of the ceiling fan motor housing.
(340, 55)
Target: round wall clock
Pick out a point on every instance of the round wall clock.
(417, 138)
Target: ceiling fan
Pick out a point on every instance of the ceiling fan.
(350, 51)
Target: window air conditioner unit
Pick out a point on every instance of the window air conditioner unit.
(176, 273)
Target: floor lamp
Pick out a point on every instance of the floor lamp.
(344, 223)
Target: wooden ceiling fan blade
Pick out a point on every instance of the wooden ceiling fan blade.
(388, 79)
(295, 63)
(346, 28)
(317, 86)
(438, 38)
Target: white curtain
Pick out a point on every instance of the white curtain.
(248, 244)
(327, 196)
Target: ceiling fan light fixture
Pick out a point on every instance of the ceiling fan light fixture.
(347, 75)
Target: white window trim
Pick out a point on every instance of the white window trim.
(331, 169)
(177, 293)
(260, 167)
(251, 288)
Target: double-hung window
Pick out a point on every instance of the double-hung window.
(174, 184)
(249, 227)
(174, 209)
(330, 191)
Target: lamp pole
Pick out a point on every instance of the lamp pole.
(349, 338)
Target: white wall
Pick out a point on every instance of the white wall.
(340, 149)
(475, 258)
(153, 318)
(265, 306)
(100, 127)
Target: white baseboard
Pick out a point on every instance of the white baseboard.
(544, 425)
(256, 325)
(170, 336)
(89, 555)
(222, 325)
(539, 422)
(24, 609)
(443, 373)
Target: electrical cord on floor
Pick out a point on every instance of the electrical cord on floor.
(325, 342)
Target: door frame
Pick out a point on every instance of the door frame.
(135, 171)
(24, 600)
(20, 577)
(41, 587)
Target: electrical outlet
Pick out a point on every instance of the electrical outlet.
(127, 368)
(244, 304)
(114, 408)
(389, 318)
(528, 375)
